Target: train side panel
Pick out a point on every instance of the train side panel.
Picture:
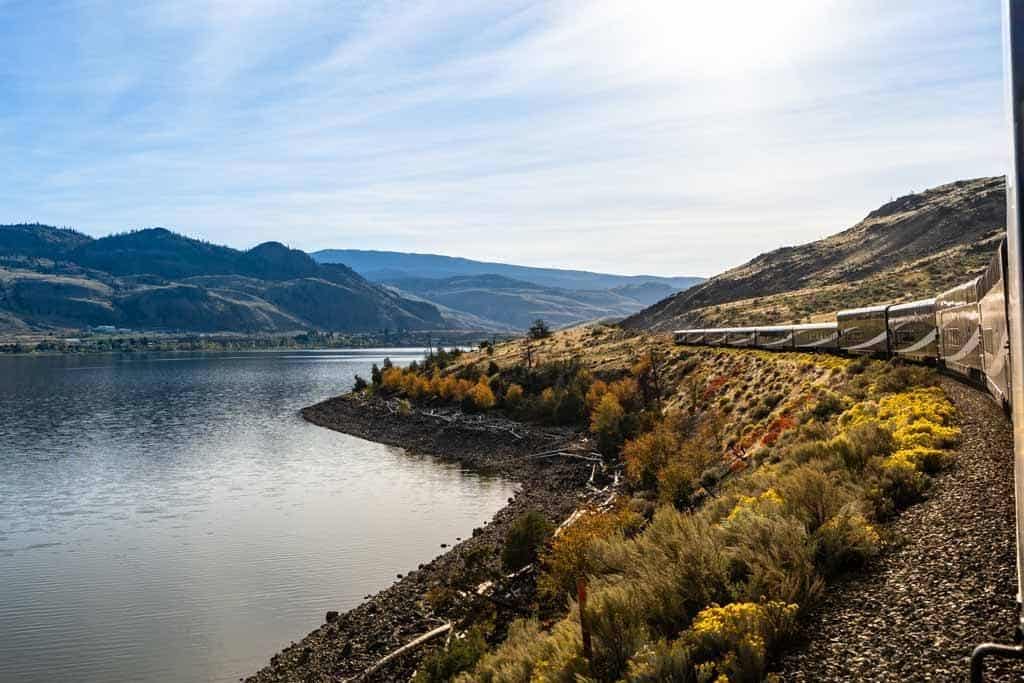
(957, 315)
(740, 336)
(816, 337)
(994, 332)
(912, 330)
(775, 338)
(864, 330)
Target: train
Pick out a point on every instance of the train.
(963, 330)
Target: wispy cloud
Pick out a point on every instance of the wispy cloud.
(670, 137)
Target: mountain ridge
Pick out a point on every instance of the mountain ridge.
(910, 247)
(155, 279)
(383, 265)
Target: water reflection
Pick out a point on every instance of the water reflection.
(172, 518)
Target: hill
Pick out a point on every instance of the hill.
(912, 247)
(506, 296)
(155, 279)
(391, 265)
(516, 304)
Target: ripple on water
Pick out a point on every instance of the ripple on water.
(185, 523)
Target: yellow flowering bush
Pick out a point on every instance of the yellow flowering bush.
(738, 637)
(923, 458)
(768, 501)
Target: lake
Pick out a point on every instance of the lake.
(172, 518)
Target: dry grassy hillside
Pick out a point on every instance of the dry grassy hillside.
(912, 247)
(756, 391)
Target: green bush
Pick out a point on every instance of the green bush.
(867, 440)
(812, 495)
(618, 629)
(678, 566)
(527, 536)
(462, 654)
(845, 542)
(663, 662)
(897, 485)
(896, 378)
(360, 384)
(771, 557)
(827, 405)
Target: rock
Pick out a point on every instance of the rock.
(331, 616)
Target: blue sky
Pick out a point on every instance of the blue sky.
(674, 138)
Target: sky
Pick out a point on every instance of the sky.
(628, 136)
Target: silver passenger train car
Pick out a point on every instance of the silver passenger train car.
(963, 330)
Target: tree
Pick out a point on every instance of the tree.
(539, 329)
(527, 536)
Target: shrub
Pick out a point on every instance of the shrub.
(442, 666)
(570, 409)
(676, 484)
(738, 638)
(375, 375)
(606, 424)
(481, 396)
(539, 329)
(360, 384)
(927, 460)
(662, 662)
(627, 391)
(771, 557)
(867, 440)
(901, 483)
(812, 495)
(525, 539)
(678, 566)
(898, 378)
(597, 390)
(648, 453)
(618, 627)
(569, 555)
(845, 542)
(528, 654)
(513, 395)
(827, 405)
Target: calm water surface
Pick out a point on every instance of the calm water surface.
(172, 518)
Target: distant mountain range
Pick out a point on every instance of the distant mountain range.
(506, 296)
(912, 247)
(157, 280)
(154, 279)
(382, 266)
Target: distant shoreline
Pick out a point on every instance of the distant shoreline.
(347, 644)
(228, 342)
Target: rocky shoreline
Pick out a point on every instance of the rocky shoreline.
(347, 644)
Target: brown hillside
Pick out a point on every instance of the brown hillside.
(910, 248)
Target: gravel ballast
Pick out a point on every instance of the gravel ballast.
(947, 585)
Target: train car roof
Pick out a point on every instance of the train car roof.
(910, 305)
(964, 286)
(775, 328)
(877, 308)
(814, 326)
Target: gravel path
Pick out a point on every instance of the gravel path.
(947, 586)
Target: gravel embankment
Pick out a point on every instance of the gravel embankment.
(948, 584)
(353, 641)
